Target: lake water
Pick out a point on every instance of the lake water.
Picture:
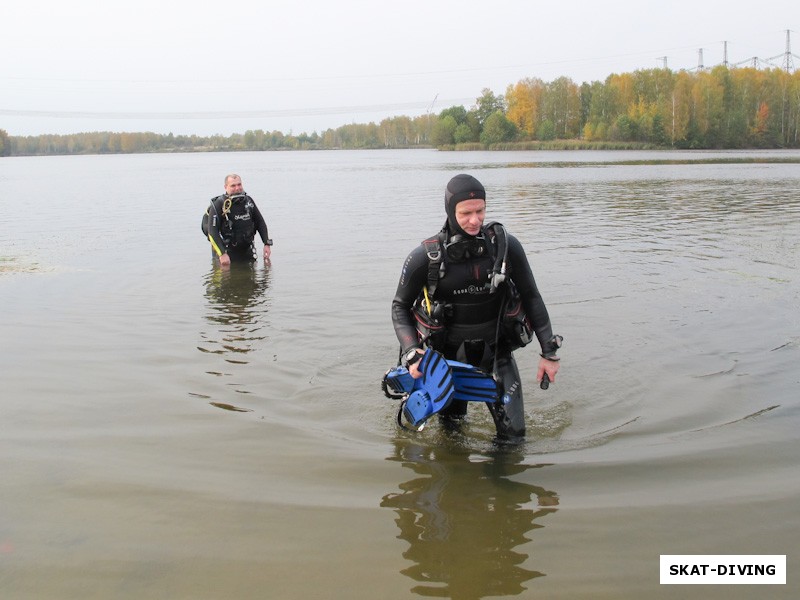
(173, 431)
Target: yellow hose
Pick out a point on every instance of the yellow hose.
(427, 300)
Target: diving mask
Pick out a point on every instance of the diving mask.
(460, 247)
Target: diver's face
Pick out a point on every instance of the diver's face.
(233, 186)
(470, 215)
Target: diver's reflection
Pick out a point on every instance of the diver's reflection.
(237, 305)
(463, 519)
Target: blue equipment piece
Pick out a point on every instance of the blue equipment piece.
(442, 381)
(432, 392)
(472, 384)
(397, 383)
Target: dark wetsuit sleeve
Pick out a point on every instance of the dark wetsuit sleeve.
(260, 223)
(214, 223)
(413, 278)
(531, 298)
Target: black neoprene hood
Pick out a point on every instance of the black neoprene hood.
(459, 188)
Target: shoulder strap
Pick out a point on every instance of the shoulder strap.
(434, 248)
(499, 240)
(222, 205)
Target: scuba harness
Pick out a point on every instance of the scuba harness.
(234, 236)
(513, 325)
(460, 247)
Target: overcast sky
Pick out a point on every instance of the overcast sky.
(302, 66)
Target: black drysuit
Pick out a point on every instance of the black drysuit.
(471, 319)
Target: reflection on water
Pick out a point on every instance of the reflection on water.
(465, 519)
(236, 311)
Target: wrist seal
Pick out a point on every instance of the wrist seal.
(551, 347)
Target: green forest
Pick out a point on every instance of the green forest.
(718, 108)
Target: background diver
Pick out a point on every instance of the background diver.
(231, 223)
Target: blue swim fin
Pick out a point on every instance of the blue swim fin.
(442, 381)
(471, 384)
(397, 383)
(432, 392)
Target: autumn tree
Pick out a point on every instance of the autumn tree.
(761, 125)
(681, 110)
(707, 97)
(524, 101)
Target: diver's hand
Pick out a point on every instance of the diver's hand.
(224, 260)
(267, 252)
(547, 366)
(413, 370)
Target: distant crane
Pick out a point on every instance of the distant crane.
(427, 117)
(430, 108)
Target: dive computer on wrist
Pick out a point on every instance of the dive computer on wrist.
(411, 357)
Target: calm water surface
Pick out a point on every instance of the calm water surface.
(173, 431)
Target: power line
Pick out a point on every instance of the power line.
(228, 114)
(787, 63)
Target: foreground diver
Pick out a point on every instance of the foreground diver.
(469, 293)
(233, 219)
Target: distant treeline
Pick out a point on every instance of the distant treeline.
(715, 109)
